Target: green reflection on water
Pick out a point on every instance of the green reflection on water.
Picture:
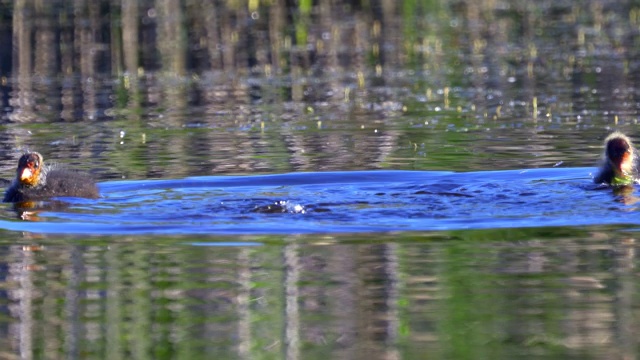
(483, 293)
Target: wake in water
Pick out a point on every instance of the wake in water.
(338, 202)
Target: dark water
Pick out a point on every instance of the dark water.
(320, 180)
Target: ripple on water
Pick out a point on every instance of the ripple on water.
(336, 202)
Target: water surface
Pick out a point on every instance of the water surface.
(313, 180)
(557, 292)
(337, 202)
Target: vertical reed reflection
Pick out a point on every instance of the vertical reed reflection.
(171, 37)
(343, 269)
(139, 276)
(22, 274)
(292, 310)
(130, 36)
(377, 301)
(74, 331)
(22, 27)
(46, 61)
(243, 300)
(392, 298)
(114, 303)
(625, 268)
(86, 48)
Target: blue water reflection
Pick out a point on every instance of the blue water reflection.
(338, 202)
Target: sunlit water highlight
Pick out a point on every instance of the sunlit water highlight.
(338, 202)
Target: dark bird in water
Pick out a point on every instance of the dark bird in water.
(619, 161)
(37, 181)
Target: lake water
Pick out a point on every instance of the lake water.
(343, 180)
(355, 263)
(335, 203)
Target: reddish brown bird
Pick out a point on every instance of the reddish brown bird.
(619, 161)
(37, 181)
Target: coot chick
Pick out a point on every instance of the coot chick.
(619, 161)
(37, 181)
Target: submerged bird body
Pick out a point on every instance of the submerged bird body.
(37, 181)
(619, 164)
